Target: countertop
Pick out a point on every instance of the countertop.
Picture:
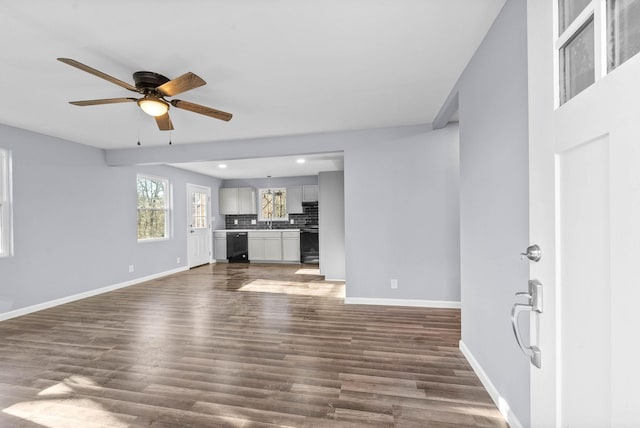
(257, 230)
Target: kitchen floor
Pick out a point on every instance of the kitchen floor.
(237, 345)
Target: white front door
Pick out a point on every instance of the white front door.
(198, 225)
(585, 216)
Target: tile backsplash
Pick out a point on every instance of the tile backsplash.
(310, 216)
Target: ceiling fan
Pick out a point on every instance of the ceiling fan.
(154, 88)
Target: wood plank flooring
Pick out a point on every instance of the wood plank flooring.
(236, 345)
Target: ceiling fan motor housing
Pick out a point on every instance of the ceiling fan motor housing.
(147, 81)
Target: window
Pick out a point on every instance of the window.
(577, 63)
(153, 208)
(585, 27)
(273, 205)
(623, 29)
(6, 238)
(199, 203)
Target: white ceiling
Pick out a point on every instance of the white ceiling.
(285, 166)
(282, 67)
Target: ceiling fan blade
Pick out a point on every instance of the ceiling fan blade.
(197, 108)
(98, 73)
(164, 122)
(180, 84)
(102, 101)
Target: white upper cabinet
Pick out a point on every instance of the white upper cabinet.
(237, 200)
(294, 200)
(228, 201)
(247, 203)
(310, 193)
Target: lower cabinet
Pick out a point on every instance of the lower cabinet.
(274, 246)
(256, 248)
(220, 245)
(291, 246)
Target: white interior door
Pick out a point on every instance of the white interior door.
(199, 225)
(584, 214)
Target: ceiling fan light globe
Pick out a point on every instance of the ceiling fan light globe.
(153, 106)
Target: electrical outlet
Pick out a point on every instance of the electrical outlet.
(130, 268)
(253, 221)
(394, 283)
(235, 221)
(178, 260)
(292, 221)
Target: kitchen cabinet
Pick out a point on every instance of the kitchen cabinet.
(220, 245)
(296, 195)
(274, 246)
(247, 201)
(265, 246)
(310, 193)
(294, 200)
(256, 248)
(237, 200)
(291, 246)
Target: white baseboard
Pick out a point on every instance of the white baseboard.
(501, 403)
(61, 301)
(402, 302)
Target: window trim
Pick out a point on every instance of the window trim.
(273, 189)
(168, 223)
(6, 204)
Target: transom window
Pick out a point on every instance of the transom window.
(273, 205)
(594, 37)
(153, 208)
(6, 228)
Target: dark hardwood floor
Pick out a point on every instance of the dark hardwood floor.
(232, 345)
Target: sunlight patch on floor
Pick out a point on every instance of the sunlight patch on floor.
(62, 409)
(308, 271)
(295, 288)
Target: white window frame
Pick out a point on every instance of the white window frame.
(168, 203)
(596, 9)
(6, 205)
(275, 189)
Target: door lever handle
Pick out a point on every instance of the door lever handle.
(535, 305)
(533, 352)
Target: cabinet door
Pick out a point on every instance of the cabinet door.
(310, 193)
(291, 249)
(220, 248)
(294, 200)
(247, 201)
(256, 249)
(273, 249)
(228, 201)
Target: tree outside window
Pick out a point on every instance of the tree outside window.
(273, 204)
(153, 208)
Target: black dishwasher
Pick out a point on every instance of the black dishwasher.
(237, 247)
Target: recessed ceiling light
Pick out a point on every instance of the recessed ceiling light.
(300, 160)
(222, 165)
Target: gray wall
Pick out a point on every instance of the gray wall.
(331, 224)
(401, 202)
(401, 206)
(75, 221)
(494, 212)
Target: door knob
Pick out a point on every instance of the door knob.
(532, 253)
